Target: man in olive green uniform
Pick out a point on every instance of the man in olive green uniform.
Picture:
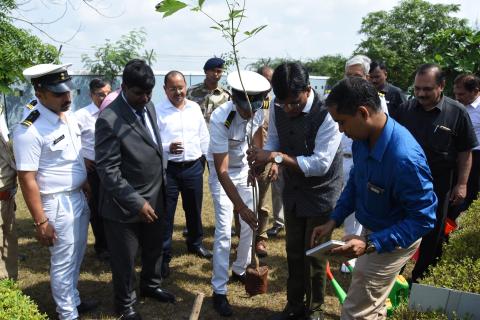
(8, 186)
(209, 94)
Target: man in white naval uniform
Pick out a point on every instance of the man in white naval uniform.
(51, 173)
(230, 126)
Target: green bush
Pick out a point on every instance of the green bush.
(459, 268)
(403, 313)
(15, 305)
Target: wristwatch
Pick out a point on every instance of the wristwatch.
(278, 159)
(370, 245)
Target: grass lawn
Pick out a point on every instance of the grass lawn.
(189, 274)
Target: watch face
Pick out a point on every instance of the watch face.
(278, 158)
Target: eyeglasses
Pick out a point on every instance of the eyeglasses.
(100, 95)
(175, 90)
(287, 105)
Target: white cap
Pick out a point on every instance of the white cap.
(43, 69)
(254, 83)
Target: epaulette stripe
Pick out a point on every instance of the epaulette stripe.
(30, 119)
(228, 122)
(31, 104)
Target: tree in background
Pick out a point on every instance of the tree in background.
(411, 34)
(332, 66)
(110, 58)
(19, 49)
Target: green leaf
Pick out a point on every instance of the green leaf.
(234, 14)
(169, 7)
(216, 28)
(200, 3)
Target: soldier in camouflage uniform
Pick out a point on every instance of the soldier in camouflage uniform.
(209, 94)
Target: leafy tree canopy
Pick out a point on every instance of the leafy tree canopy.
(110, 58)
(19, 49)
(410, 34)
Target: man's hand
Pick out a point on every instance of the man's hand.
(249, 217)
(46, 234)
(147, 213)
(321, 231)
(258, 157)
(273, 172)
(354, 247)
(89, 164)
(176, 147)
(87, 190)
(458, 194)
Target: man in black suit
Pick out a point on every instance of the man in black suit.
(394, 96)
(128, 152)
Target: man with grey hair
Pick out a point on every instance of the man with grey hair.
(358, 66)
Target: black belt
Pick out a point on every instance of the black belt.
(184, 164)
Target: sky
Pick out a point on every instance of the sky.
(300, 29)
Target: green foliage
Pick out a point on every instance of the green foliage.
(15, 305)
(459, 268)
(169, 7)
(403, 313)
(329, 65)
(405, 36)
(110, 58)
(18, 51)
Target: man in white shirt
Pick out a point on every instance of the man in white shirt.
(466, 88)
(231, 125)
(86, 118)
(185, 140)
(304, 139)
(51, 173)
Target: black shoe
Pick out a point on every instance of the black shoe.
(237, 278)
(87, 305)
(289, 314)
(159, 294)
(185, 232)
(274, 231)
(221, 305)
(202, 252)
(165, 270)
(128, 314)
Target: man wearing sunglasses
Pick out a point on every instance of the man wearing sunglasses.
(304, 139)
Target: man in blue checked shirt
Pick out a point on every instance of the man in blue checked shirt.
(390, 189)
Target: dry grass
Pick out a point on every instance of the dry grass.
(189, 275)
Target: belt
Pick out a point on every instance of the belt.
(184, 164)
(68, 193)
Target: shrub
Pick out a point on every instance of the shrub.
(15, 305)
(459, 268)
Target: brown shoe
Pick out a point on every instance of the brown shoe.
(261, 248)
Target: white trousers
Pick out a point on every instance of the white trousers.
(223, 225)
(68, 213)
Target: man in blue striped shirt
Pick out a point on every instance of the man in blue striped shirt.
(390, 189)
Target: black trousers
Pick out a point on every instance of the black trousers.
(96, 219)
(473, 186)
(184, 178)
(431, 246)
(124, 240)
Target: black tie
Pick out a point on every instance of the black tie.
(141, 115)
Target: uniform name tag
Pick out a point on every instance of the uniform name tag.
(374, 188)
(58, 139)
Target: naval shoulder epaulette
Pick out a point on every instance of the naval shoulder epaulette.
(266, 103)
(230, 117)
(31, 104)
(31, 118)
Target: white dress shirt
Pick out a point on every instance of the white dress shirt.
(51, 147)
(327, 142)
(232, 140)
(148, 122)
(474, 112)
(185, 125)
(86, 118)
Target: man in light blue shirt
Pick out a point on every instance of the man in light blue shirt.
(390, 189)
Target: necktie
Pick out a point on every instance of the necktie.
(141, 115)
